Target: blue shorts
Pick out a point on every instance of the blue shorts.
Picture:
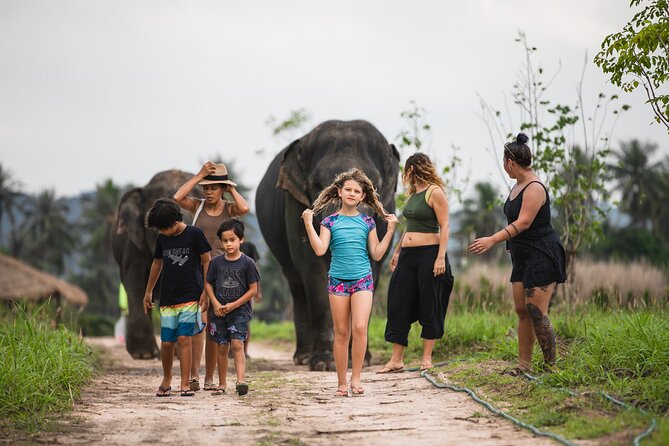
(180, 320)
(224, 329)
(340, 287)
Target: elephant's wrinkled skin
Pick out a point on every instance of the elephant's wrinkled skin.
(292, 182)
(133, 245)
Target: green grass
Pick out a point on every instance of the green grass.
(42, 370)
(281, 331)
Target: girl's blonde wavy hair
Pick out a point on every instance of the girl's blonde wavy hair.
(419, 169)
(330, 195)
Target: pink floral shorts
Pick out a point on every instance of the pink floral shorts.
(348, 287)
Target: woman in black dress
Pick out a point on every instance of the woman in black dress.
(537, 255)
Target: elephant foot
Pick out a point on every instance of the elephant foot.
(144, 353)
(301, 358)
(322, 362)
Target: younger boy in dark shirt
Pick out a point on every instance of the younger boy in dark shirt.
(182, 255)
(232, 281)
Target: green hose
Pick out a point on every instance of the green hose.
(516, 421)
(533, 429)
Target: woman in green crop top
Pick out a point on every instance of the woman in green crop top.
(421, 284)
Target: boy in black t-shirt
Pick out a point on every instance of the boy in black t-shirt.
(182, 254)
(232, 281)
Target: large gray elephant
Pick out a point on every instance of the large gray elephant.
(132, 245)
(292, 182)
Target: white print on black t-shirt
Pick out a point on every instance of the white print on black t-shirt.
(177, 255)
(231, 285)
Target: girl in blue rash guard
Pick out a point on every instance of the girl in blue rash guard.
(351, 237)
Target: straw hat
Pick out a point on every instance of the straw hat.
(220, 176)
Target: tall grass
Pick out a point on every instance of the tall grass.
(623, 285)
(634, 285)
(42, 370)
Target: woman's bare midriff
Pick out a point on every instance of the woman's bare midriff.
(419, 239)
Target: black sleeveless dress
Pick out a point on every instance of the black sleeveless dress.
(537, 254)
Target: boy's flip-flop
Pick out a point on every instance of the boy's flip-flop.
(164, 391)
(218, 391)
(209, 386)
(387, 369)
(194, 384)
(187, 392)
(242, 388)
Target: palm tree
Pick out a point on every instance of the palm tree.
(638, 181)
(661, 214)
(9, 196)
(481, 215)
(99, 276)
(47, 235)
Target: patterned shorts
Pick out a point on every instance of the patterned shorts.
(180, 320)
(347, 287)
(224, 329)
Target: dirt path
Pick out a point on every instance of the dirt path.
(286, 404)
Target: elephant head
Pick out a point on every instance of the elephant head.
(132, 245)
(311, 163)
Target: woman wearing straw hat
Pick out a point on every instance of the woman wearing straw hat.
(208, 214)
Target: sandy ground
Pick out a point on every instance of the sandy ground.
(286, 404)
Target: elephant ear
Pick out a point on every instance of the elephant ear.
(293, 173)
(129, 220)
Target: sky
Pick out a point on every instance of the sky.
(123, 89)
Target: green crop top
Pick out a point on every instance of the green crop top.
(420, 216)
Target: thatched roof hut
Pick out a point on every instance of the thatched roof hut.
(20, 281)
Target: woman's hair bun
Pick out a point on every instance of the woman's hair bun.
(522, 138)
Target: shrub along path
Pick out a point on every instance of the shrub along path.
(286, 404)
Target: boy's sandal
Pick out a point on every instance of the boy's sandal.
(242, 388)
(187, 392)
(194, 384)
(209, 386)
(340, 392)
(164, 391)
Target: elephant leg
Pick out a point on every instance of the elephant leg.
(303, 332)
(140, 340)
(321, 322)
